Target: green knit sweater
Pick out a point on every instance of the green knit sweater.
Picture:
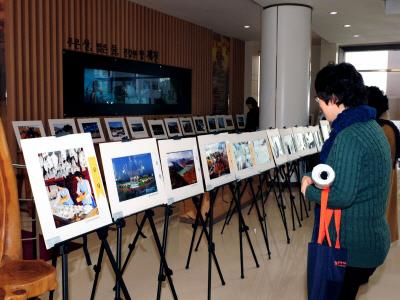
(360, 157)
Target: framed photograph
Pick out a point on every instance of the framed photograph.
(325, 129)
(92, 126)
(28, 130)
(187, 126)
(132, 171)
(317, 137)
(221, 123)
(137, 127)
(66, 186)
(116, 129)
(173, 127)
(211, 123)
(229, 122)
(309, 140)
(241, 121)
(200, 125)
(157, 129)
(289, 146)
(263, 157)
(216, 164)
(61, 127)
(299, 140)
(242, 155)
(181, 168)
(277, 147)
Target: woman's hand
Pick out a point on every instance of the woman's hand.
(305, 182)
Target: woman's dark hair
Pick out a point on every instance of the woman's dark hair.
(344, 82)
(377, 100)
(251, 101)
(78, 174)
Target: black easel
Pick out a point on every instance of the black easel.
(102, 233)
(209, 236)
(148, 216)
(120, 223)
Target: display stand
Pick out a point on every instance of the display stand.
(61, 250)
(164, 269)
(102, 233)
(209, 236)
(120, 223)
(296, 171)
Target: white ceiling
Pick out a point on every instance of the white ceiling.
(367, 17)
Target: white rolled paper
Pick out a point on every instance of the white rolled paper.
(323, 176)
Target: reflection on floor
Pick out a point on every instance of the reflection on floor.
(282, 277)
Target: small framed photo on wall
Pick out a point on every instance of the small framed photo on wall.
(187, 126)
(229, 122)
(61, 127)
(92, 126)
(157, 129)
(66, 185)
(200, 125)
(137, 127)
(181, 168)
(116, 129)
(28, 130)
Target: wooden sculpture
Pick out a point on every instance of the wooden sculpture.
(19, 279)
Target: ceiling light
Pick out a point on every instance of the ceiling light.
(333, 12)
(246, 26)
(347, 25)
(356, 35)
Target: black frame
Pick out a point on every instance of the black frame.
(74, 64)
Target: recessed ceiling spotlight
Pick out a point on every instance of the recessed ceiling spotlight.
(356, 35)
(333, 12)
(347, 25)
(246, 26)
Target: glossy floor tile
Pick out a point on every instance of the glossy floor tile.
(281, 277)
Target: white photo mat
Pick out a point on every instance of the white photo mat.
(35, 148)
(309, 140)
(173, 127)
(179, 154)
(289, 143)
(130, 155)
(159, 125)
(210, 144)
(200, 125)
(242, 155)
(187, 126)
(85, 125)
(299, 139)
(137, 127)
(325, 129)
(276, 146)
(116, 134)
(318, 137)
(264, 159)
(212, 124)
(56, 125)
(28, 130)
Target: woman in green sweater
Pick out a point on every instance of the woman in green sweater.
(358, 151)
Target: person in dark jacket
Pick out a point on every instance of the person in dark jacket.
(252, 120)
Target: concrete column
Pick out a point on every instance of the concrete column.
(285, 65)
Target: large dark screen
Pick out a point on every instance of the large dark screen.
(97, 85)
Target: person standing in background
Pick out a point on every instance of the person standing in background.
(252, 120)
(380, 102)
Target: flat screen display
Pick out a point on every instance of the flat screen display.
(96, 85)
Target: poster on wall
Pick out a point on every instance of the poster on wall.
(217, 168)
(133, 176)
(181, 168)
(220, 73)
(66, 186)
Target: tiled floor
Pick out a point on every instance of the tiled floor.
(282, 277)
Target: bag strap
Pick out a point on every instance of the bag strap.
(325, 219)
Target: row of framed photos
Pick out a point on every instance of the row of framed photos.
(144, 173)
(117, 127)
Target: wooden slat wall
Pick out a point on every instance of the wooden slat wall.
(37, 31)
